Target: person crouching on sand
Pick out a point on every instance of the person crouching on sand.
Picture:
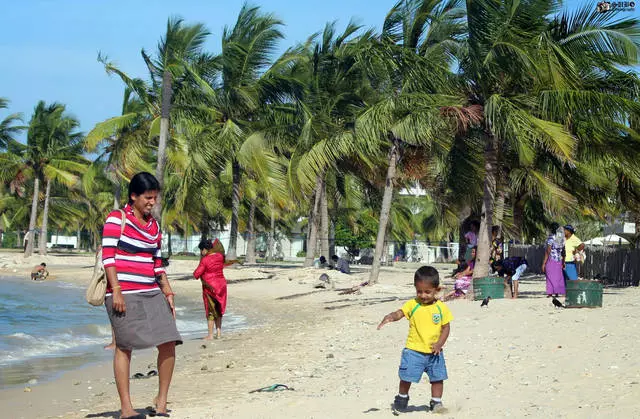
(429, 327)
(39, 272)
(214, 284)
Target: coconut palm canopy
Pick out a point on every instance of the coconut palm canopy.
(514, 113)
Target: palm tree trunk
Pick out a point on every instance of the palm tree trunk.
(34, 215)
(312, 240)
(165, 111)
(636, 219)
(384, 213)
(272, 235)
(324, 222)
(205, 228)
(251, 236)
(483, 253)
(235, 208)
(332, 238)
(169, 244)
(45, 221)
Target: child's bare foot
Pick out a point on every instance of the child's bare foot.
(110, 347)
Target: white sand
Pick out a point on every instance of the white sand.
(516, 358)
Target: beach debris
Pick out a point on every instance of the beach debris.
(203, 346)
(329, 356)
(271, 388)
(33, 381)
(231, 364)
(204, 368)
(485, 302)
(557, 303)
(27, 389)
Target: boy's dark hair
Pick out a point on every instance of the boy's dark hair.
(335, 258)
(141, 183)
(427, 274)
(43, 264)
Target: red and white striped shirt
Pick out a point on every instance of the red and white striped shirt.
(136, 255)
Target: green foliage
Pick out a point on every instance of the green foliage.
(362, 235)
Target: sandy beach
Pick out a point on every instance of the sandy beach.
(518, 358)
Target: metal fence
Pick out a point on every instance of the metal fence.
(613, 266)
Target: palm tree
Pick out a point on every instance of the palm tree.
(178, 48)
(409, 65)
(525, 71)
(123, 141)
(8, 129)
(236, 85)
(52, 154)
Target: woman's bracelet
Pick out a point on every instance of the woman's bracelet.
(117, 287)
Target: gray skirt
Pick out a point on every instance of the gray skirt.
(147, 321)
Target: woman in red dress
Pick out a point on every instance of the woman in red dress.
(214, 285)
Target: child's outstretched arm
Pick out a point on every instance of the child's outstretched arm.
(391, 317)
(444, 334)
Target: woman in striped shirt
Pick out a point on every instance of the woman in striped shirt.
(139, 298)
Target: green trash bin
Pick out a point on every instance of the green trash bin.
(491, 286)
(583, 294)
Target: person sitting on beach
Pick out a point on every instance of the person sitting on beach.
(463, 278)
(214, 285)
(320, 263)
(429, 327)
(39, 272)
(511, 267)
(341, 264)
(471, 239)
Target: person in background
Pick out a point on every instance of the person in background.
(496, 245)
(25, 240)
(320, 263)
(552, 263)
(512, 267)
(39, 272)
(139, 298)
(463, 277)
(214, 285)
(341, 264)
(572, 246)
(471, 238)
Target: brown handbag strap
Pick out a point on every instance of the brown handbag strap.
(123, 223)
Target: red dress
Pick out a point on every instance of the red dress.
(210, 271)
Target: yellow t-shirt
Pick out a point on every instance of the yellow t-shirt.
(570, 245)
(425, 324)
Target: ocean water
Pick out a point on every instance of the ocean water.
(46, 327)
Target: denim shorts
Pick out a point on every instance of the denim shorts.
(413, 364)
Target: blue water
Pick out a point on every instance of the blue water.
(47, 327)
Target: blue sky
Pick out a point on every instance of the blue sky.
(48, 48)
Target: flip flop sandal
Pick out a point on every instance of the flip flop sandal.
(274, 387)
(137, 376)
(151, 411)
(152, 373)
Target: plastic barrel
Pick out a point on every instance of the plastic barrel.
(584, 294)
(491, 286)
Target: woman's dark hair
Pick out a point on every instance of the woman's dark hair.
(427, 274)
(141, 183)
(205, 244)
